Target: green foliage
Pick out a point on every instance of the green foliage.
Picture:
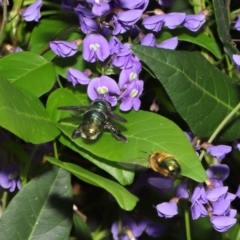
(42, 209)
(202, 97)
(23, 114)
(29, 71)
(124, 198)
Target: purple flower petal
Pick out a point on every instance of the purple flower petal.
(170, 43)
(222, 223)
(167, 209)
(161, 183)
(215, 194)
(172, 20)
(237, 25)
(218, 171)
(219, 151)
(199, 194)
(95, 46)
(75, 76)
(221, 208)
(194, 21)
(198, 210)
(181, 190)
(154, 23)
(32, 12)
(148, 40)
(63, 48)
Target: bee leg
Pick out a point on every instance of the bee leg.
(115, 132)
(77, 133)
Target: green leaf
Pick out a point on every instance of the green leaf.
(124, 198)
(29, 71)
(124, 177)
(41, 210)
(222, 20)
(81, 229)
(158, 134)
(202, 94)
(24, 115)
(48, 30)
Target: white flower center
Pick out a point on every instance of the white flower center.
(94, 47)
(132, 76)
(102, 90)
(134, 93)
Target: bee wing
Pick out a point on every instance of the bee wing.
(78, 109)
(136, 165)
(117, 117)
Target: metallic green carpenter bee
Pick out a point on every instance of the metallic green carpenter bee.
(96, 118)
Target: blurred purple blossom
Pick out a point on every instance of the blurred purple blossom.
(75, 76)
(199, 194)
(69, 4)
(63, 48)
(136, 4)
(32, 12)
(127, 224)
(219, 151)
(198, 210)
(154, 23)
(99, 7)
(9, 177)
(130, 97)
(170, 43)
(222, 223)
(167, 209)
(151, 228)
(172, 20)
(181, 191)
(237, 25)
(101, 87)
(165, 3)
(216, 194)
(236, 59)
(161, 183)
(218, 171)
(194, 21)
(95, 47)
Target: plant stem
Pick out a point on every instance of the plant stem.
(55, 149)
(4, 19)
(4, 201)
(187, 223)
(221, 126)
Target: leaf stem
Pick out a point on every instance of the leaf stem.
(55, 149)
(4, 200)
(4, 19)
(187, 223)
(221, 126)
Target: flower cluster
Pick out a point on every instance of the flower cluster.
(99, 19)
(133, 229)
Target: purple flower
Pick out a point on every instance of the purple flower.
(130, 97)
(9, 177)
(172, 20)
(85, 16)
(151, 228)
(148, 40)
(167, 209)
(154, 23)
(127, 76)
(237, 25)
(75, 76)
(129, 229)
(129, 18)
(136, 4)
(236, 59)
(114, 44)
(99, 7)
(68, 4)
(163, 184)
(216, 194)
(199, 194)
(219, 151)
(218, 171)
(63, 48)
(101, 87)
(95, 46)
(165, 2)
(238, 191)
(125, 59)
(181, 190)
(222, 223)
(32, 12)
(198, 210)
(221, 208)
(170, 43)
(194, 21)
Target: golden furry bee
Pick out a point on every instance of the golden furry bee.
(164, 163)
